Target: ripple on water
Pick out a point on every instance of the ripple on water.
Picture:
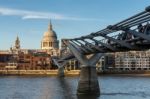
(19, 87)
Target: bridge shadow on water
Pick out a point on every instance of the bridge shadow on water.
(68, 91)
(87, 97)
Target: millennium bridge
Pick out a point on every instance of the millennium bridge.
(130, 34)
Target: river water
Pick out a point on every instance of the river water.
(112, 87)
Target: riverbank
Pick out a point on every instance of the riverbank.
(38, 72)
(125, 73)
(74, 72)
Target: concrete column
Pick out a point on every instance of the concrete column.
(61, 72)
(60, 66)
(88, 82)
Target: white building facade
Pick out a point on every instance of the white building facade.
(133, 60)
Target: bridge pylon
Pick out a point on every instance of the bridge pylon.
(60, 66)
(88, 81)
(61, 72)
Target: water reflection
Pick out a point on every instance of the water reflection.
(15, 87)
(69, 93)
(66, 88)
(87, 97)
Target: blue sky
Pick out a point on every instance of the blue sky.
(70, 18)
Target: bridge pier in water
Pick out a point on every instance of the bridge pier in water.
(88, 81)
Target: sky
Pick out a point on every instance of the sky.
(29, 19)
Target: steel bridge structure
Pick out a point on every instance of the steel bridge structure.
(130, 34)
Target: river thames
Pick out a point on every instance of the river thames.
(112, 87)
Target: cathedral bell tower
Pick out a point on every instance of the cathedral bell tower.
(17, 43)
(16, 48)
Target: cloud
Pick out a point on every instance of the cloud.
(25, 14)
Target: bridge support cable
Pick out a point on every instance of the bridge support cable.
(94, 46)
(122, 43)
(104, 44)
(137, 22)
(133, 32)
(136, 19)
(84, 46)
(60, 65)
(88, 81)
(130, 19)
(138, 34)
(80, 47)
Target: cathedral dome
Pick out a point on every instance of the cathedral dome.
(49, 41)
(50, 35)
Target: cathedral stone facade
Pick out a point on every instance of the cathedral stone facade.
(49, 43)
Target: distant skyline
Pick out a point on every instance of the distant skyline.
(29, 19)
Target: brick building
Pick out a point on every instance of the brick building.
(28, 59)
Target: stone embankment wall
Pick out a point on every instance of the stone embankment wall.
(37, 72)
